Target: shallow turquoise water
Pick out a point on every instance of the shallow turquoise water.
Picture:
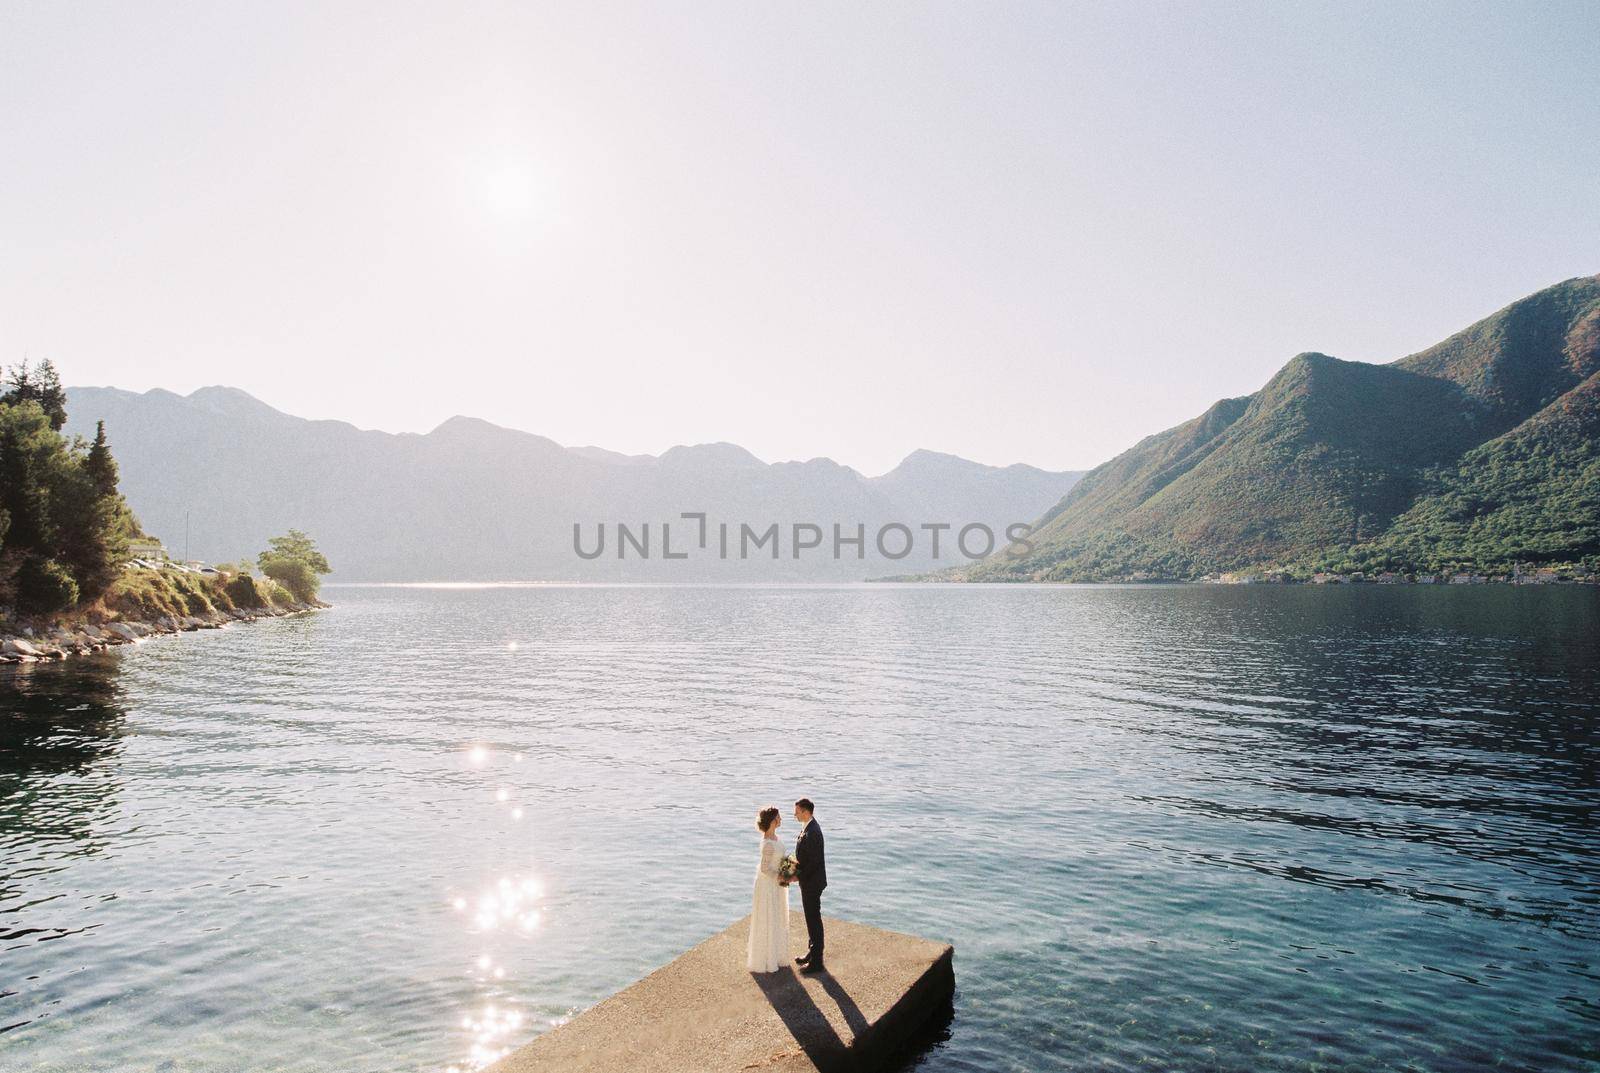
(1166, 828)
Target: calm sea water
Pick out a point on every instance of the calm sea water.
(1171, 828)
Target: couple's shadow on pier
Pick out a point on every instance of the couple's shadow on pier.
(822, 1043)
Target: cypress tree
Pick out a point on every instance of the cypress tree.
(101, 466)
(51, 396)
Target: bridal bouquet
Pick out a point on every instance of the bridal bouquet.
(788, 868)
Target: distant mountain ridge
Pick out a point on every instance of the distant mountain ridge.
(474, 501)
(1480, 451)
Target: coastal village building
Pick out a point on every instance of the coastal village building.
(146, 548)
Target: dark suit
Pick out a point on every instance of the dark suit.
(812, 875)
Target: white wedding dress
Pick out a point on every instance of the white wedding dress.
(768, 950)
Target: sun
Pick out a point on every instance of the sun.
(510, 192)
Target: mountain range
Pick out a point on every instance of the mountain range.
(217, 472)
(1480, 452)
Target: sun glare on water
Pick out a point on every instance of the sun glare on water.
(503, 913)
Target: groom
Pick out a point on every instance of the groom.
(812, 874)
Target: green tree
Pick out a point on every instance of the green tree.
(44, 585)
(27, 449)
(295, 575)
(293, 561)
(295, 545)
(92, 527)
(101, 466)
(41, 385)
(63, 526)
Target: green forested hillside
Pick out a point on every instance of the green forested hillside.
(1531, 496)
(64, 528)
(1479, 451)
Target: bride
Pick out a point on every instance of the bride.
(769, 916)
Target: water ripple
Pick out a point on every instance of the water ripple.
(1167, 828)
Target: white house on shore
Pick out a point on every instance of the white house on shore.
(146, 548)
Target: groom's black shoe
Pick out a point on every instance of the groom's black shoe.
(813, 966)
(802, 960)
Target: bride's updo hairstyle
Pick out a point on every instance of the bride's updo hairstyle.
(764, 819)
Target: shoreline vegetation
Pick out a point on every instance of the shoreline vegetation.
(1576, 575)
(78, 573)
(1544, 577)
(148, 603)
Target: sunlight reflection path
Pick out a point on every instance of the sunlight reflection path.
(504, 911)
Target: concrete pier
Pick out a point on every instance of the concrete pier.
(704, 1013)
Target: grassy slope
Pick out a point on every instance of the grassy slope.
(1330, 455)
(145, 595)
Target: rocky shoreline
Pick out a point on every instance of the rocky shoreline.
(28, 644)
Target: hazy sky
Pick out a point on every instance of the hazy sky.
(1012, 232)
